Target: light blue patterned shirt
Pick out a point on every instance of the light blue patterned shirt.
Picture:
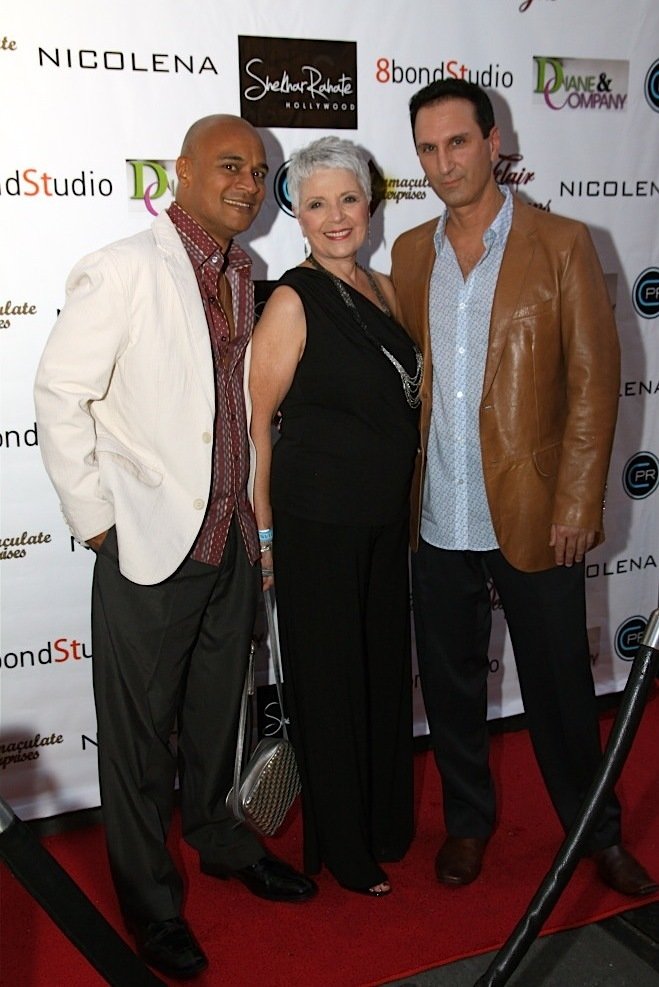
(455, 512)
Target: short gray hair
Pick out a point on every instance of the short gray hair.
(326, 152)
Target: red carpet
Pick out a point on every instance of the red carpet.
(342, 939)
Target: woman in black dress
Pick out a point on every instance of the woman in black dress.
(328, 353)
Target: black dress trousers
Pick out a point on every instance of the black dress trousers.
(546, 616)
(174, 653)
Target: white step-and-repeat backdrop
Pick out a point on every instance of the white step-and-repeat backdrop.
(95, 100)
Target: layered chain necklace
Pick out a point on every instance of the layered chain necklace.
(411, 384)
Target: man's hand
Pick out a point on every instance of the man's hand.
(96, 542)
(570, 544)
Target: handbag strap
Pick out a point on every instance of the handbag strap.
(275, 652)
(248, 692)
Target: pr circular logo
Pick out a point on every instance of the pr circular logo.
(652, 86)
(628, 637)
(641, 475)
(645, 293)
(281, 190)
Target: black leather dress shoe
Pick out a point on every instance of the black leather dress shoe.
(170, 947)
(459, 861)
(268, 878)
(622, 872)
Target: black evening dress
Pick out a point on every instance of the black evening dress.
(341, 474)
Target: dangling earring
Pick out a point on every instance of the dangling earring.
(307, 248)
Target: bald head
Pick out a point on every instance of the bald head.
(221, 175)
(203, 127)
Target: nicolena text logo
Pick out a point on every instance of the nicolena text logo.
(93, 59)
(580, 83)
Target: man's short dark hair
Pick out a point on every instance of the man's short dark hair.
(443, 89)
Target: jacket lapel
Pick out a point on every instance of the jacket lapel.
(512, 275)
(185, 282)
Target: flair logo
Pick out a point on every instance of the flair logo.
(580, 83)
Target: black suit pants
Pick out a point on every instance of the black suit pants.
(546, 616)
(170, 654)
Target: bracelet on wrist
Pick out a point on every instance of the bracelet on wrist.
(265, 535)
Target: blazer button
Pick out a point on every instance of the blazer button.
(206, 437)
(198, 504)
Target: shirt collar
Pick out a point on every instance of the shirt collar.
(201, 246)
(497, 231)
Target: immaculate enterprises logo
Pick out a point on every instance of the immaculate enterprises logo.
(640, 475)
(93, 59)
(629, 636)
(151, 183)
(388, 71)
(382, 189)
(652, 86)
(645, 293)
(11, 310)
(16, 546)
(26, 748)
(296, 82)
(580, 83)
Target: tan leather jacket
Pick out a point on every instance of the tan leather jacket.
(550, 390)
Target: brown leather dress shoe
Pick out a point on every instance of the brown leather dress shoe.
(459, 861)
(622, 872)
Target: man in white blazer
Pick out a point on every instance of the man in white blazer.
(143, 430)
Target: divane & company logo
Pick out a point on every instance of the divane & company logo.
(629, 636)
(26, 748)
(645, 293)
(150, 181)
(298, 82)
(580, 83)
(641, 475)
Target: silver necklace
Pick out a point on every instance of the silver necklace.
(411, 384)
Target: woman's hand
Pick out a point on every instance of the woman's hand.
(267, 570)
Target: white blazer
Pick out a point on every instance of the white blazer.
(125, 401)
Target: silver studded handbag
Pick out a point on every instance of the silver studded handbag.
(265, 789)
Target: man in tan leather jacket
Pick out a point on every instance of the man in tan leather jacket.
(510, 309)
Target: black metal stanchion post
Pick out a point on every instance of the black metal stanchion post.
(622, 735)
(69, 908)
